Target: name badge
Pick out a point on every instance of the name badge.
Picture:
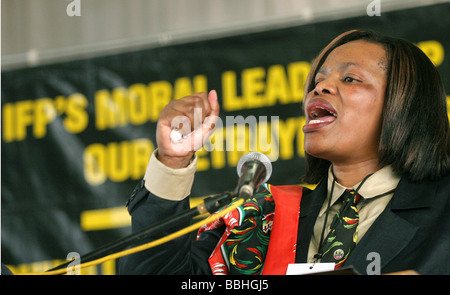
(309, 268)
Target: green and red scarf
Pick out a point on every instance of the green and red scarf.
(260, 236)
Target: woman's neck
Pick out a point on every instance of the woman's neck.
(349, 174)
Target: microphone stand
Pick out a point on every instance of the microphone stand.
(210, 204)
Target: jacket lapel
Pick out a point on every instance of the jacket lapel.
(392, 231)
(309, 209)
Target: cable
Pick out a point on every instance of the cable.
(149, 245)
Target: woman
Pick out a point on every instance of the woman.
(376, 134)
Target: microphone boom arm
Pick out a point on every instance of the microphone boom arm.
(210, 204)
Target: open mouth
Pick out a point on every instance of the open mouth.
(320, 113)
(317, 113)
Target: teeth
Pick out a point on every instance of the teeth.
(315, 121)
(315, 114)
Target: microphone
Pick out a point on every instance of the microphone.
(253, 169)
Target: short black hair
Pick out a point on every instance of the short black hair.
(415, 136)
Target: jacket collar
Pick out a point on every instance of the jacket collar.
(412, 195)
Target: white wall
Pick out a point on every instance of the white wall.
(40, 31)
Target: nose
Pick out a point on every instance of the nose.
(325, 87)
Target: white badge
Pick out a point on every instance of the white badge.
(308, 268)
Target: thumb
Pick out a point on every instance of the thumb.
(209, 124)
(214, 103)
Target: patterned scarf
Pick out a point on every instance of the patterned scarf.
(243, 246)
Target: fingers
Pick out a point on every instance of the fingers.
(193, 117)
(188, 113)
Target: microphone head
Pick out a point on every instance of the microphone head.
(252, 156)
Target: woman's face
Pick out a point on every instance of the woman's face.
(343, 112)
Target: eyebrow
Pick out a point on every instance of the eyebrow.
(340, 67)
